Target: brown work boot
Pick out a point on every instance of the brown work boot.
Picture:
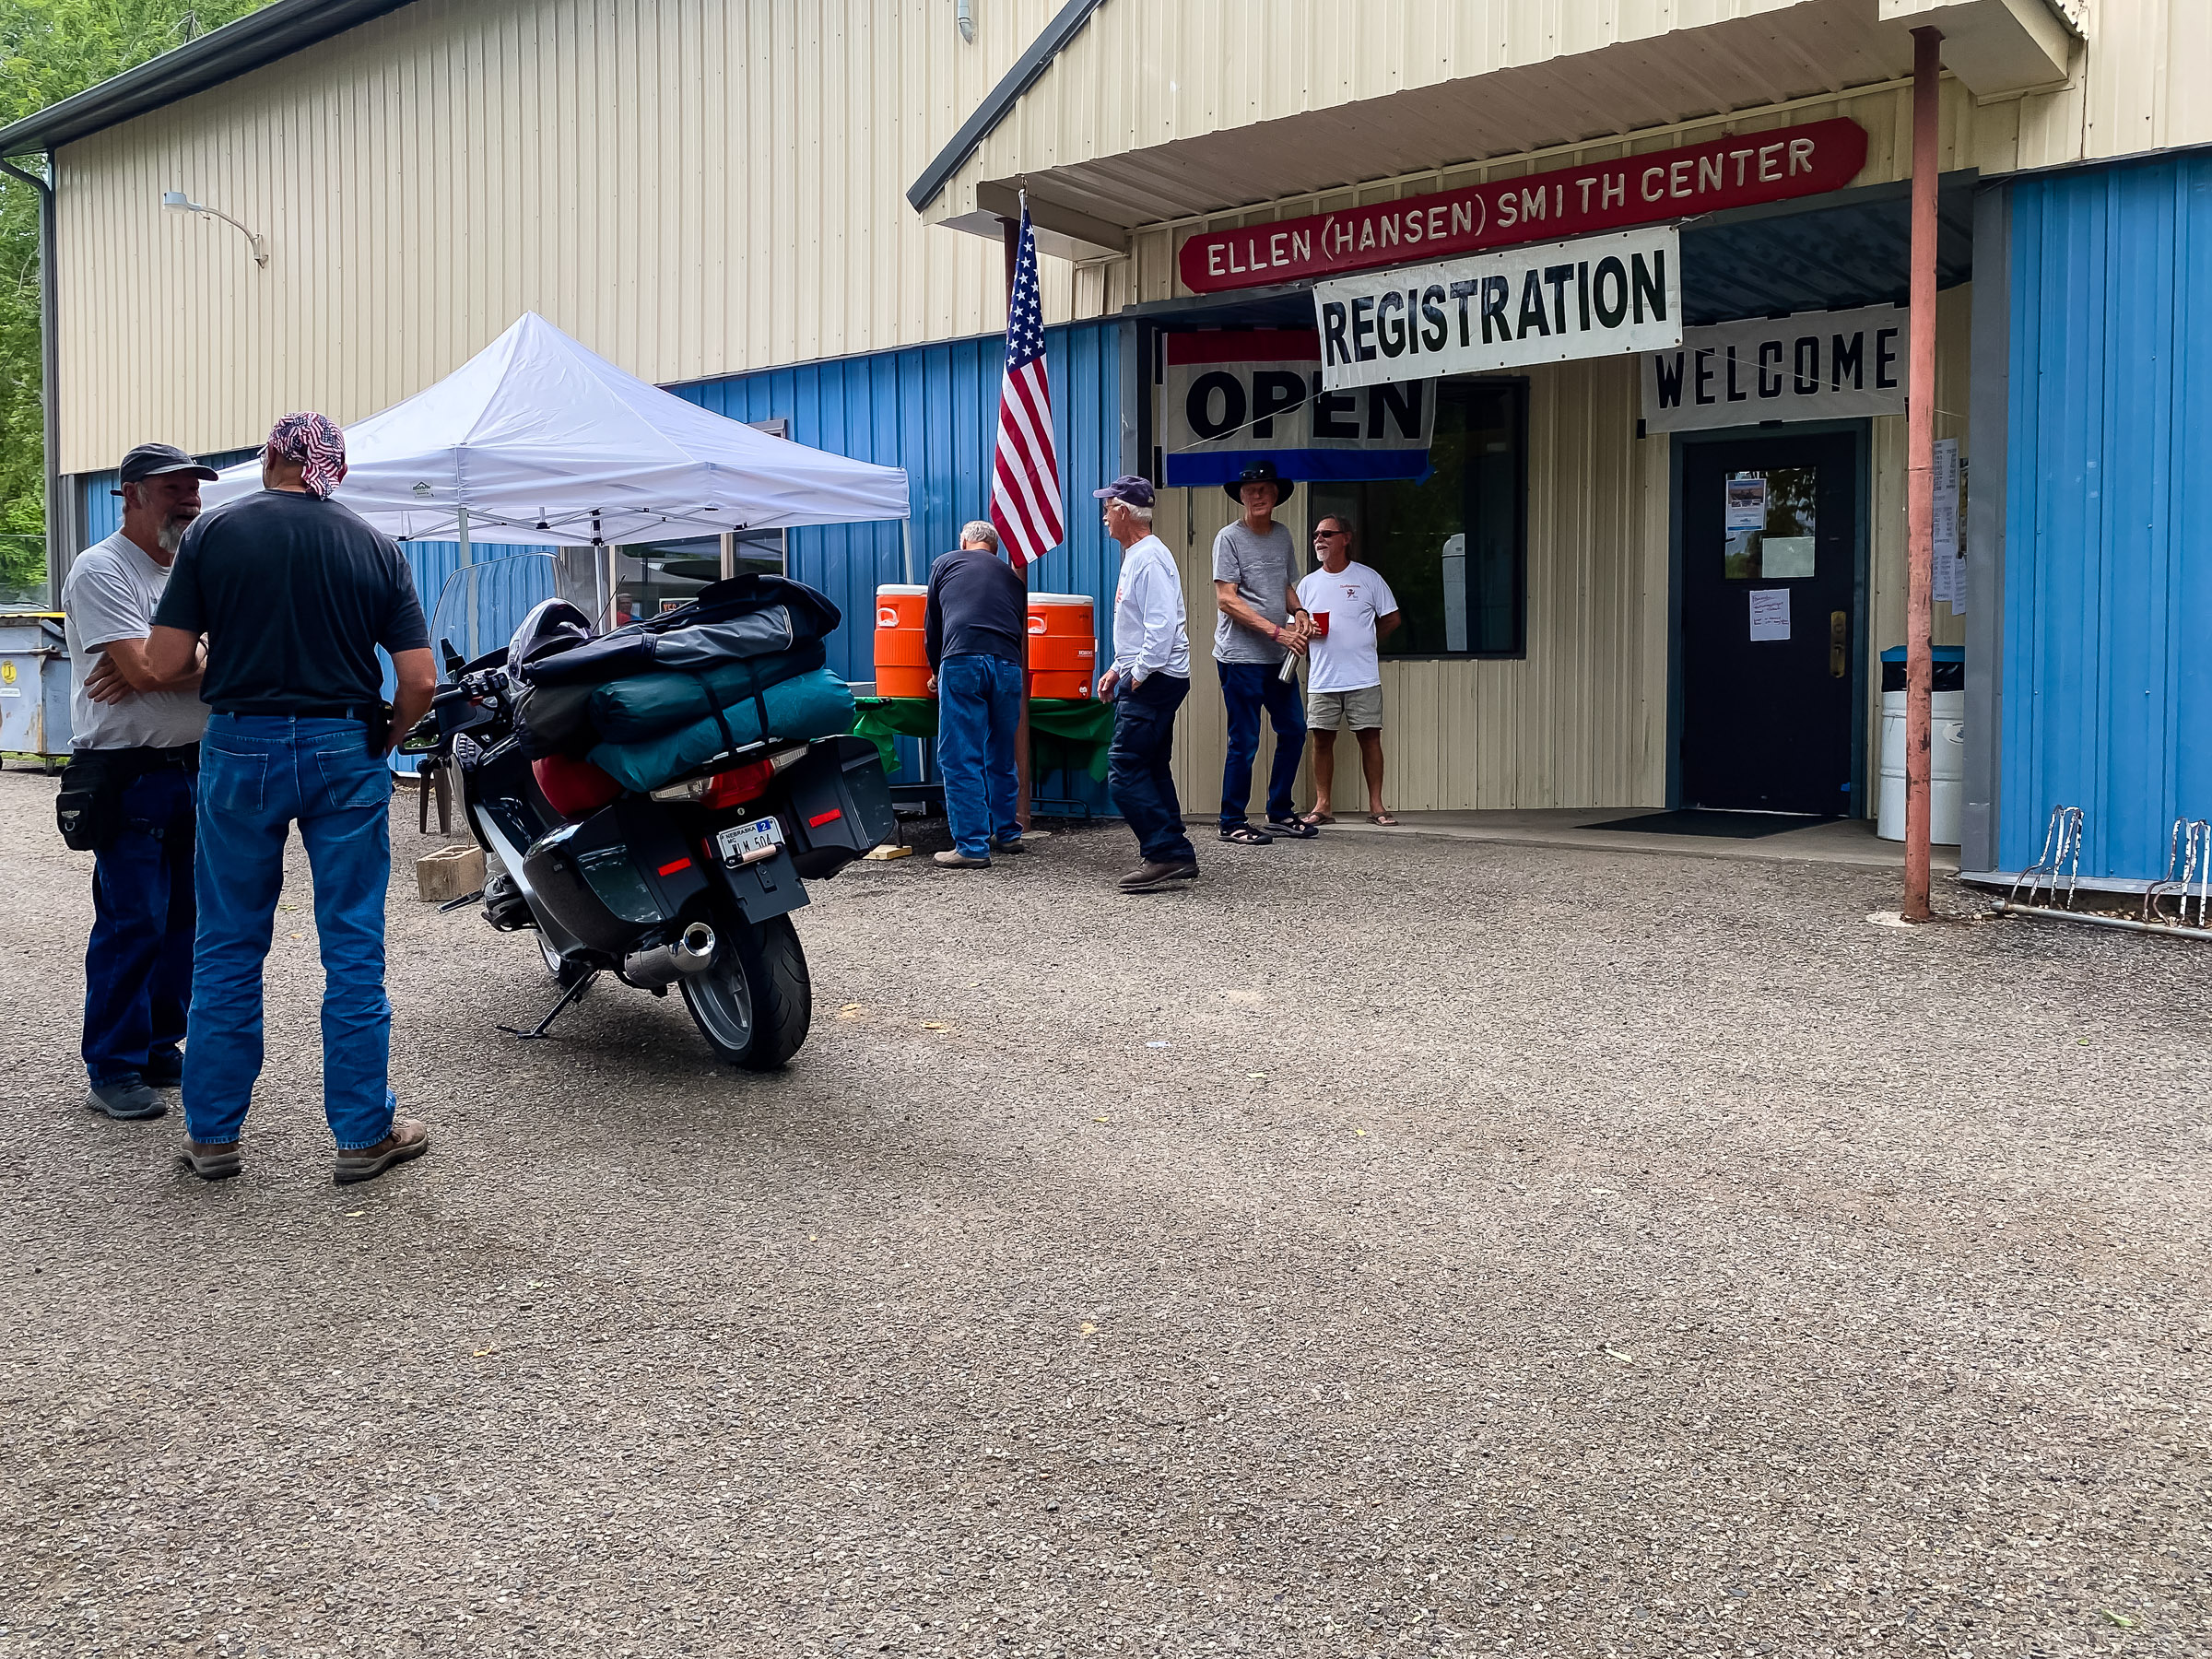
(1151, 877)
(408, 1140)
(210, 1160)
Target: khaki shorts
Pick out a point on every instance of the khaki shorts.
(1361, 710)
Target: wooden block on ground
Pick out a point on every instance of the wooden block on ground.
(888, 852)
(449, 872)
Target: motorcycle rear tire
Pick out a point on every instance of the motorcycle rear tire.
(754, 1003)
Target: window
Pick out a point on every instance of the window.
(654, 577)
(1452, 546)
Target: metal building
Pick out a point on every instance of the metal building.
(794, 211)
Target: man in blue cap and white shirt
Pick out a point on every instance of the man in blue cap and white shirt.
(131, 781)
(1151, 672)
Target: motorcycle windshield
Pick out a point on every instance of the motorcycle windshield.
(482, 605)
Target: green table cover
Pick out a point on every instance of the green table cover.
(1065, 731)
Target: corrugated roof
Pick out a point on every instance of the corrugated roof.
(276, 31)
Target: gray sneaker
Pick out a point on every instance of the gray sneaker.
(408, 1140)
(128, 1100)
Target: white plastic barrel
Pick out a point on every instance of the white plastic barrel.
(1946, 766)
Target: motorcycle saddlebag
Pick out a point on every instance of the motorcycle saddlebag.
(835, 804)
(618, 874)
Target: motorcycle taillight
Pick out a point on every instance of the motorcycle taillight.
(738, 786)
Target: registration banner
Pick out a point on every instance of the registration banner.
(1813, 366)
(1231, 397)
(1599, 296)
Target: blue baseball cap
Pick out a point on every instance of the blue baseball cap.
(1130, 487)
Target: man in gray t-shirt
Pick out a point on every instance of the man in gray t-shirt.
(135, 757)
(1254, 573)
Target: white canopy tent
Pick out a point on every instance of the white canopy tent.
(536, 441)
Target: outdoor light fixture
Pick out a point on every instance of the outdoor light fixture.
(176, 201)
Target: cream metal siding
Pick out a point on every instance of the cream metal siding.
(1163, 111)
(691, 187)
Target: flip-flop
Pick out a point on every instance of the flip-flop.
(1382, 818)
(1317, 819)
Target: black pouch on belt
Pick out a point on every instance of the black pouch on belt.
(90, 783)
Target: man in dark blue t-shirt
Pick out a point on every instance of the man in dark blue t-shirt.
(294, 595)
(973, 629)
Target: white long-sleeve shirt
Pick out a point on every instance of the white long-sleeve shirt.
(1149, 636)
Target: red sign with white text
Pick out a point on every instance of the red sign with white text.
(1547, 206)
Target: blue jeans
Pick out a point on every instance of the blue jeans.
(1247, 688)
(139, 965)
(1137, 774)
(259, 773)
(979, 706)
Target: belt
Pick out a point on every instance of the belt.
(184, 755)
(367, 713)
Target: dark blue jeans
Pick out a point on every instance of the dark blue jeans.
(979, 706)
(1137, 774)
(258, 775)
(138, 966)
(1247, 688)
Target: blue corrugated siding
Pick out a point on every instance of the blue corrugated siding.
(934, 410)
(2108, 583)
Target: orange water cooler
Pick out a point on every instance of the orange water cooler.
(1064, 651)
(901, 654)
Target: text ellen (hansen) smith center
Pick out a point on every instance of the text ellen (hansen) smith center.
(1701, 178)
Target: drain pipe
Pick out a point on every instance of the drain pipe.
(2006, 908)
(50, 379)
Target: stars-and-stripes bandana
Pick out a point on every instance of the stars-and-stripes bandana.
(315, 442)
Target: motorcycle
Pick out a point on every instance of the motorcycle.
(690, 885)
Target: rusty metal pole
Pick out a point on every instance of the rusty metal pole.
(1010, 231)
(1920, 476)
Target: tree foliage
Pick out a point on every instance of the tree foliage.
(49, 49)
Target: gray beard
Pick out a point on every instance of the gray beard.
(171, 534)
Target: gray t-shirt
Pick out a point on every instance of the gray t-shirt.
(111, 594)
(1260, 566)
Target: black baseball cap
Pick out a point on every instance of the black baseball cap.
(1131, 487)
(153, 460)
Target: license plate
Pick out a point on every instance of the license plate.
(750, 843)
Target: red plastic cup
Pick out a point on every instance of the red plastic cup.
(1321, 624)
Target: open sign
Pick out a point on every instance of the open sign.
(1231, 397)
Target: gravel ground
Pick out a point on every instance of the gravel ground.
(1389, 1245)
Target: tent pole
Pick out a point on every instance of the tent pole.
(476, 648)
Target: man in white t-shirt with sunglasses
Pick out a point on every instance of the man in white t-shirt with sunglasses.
(1353, 611)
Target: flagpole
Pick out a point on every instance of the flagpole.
(1010, 234)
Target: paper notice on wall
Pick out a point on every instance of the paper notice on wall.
(1769, 614)
(1746, 501)
(1949, 560)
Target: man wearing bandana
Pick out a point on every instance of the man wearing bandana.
(294, 595)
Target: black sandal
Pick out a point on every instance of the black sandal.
(1245, 835)
(1296, 828)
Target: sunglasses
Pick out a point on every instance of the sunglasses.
(1329, 534)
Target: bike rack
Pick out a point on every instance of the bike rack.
(2188, 860)
(2062, 845)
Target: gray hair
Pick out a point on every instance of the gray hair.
(1142, 516)
(979, 532)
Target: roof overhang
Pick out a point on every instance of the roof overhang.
(276, 31)
(1771, 52)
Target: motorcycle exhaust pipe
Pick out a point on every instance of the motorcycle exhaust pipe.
(693, 952)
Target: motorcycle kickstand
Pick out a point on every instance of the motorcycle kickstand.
(546, 1025)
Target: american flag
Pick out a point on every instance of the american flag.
(1025, 480)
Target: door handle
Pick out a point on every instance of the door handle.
(1839, 630)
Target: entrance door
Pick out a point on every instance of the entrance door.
(1769, 549)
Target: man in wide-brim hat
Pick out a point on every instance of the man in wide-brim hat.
(1256, 573)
